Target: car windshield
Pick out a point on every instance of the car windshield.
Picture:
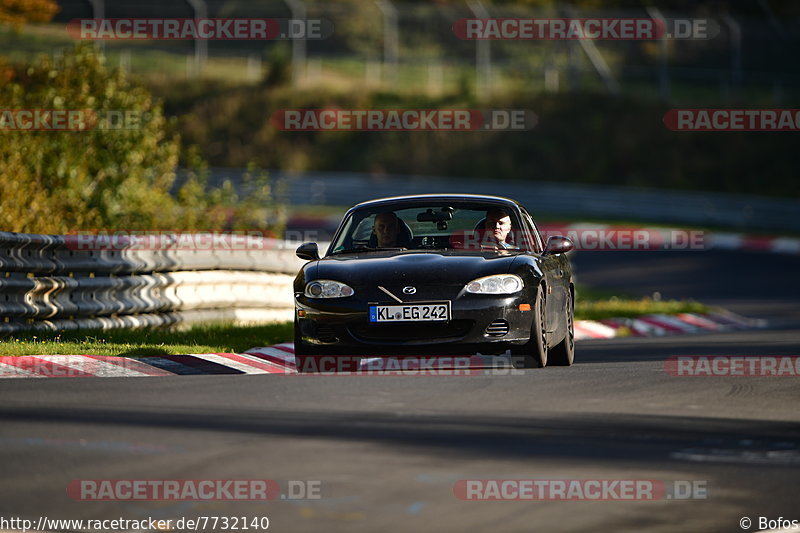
(428, 226)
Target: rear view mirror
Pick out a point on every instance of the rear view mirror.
(436, 216)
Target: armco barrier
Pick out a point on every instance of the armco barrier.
(48, 282)
(564, 200)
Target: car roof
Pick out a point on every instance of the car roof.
(437, 197)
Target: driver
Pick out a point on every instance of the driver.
(385, 228)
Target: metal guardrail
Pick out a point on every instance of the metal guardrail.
(569, 200)
(733, 211)
(52, 254)
(57, 282)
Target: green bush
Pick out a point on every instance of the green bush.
(63, 181)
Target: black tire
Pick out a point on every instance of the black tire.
(563, 354)
(533, 354)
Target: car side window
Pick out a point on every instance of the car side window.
(534, 232)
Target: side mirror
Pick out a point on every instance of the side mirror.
(308, 251)
(558, 245)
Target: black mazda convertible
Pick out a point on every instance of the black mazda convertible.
(449, 274)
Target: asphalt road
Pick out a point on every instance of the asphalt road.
(755, 284)
(388, 451)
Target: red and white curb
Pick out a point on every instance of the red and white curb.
(78, 366)
(660, 325)
(280, 359)
(751, 243)
(261, 361)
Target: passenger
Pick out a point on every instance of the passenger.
(498, 226)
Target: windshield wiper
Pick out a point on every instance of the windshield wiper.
(499, 249)
(366, 249)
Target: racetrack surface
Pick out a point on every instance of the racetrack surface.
(389, 450)
(753, 284)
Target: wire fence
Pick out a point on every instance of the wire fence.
(413, 47)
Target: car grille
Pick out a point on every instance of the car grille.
(407, 331)
(498, 328)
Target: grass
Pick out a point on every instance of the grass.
(204, 338)
(585, 293)
(627, 308)
(597, 304)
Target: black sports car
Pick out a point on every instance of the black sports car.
(434, 275)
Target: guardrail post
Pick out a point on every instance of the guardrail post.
(736, 52)
(98, 12)
(483, 55)
(391, 39)
(663, 55)
(597, 60)
(298, 9)
(200, 45)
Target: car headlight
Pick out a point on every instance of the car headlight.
(499, 284)
(326, 288)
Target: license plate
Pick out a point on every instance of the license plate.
(416, 312)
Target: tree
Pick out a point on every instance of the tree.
(19, 12)
(117, 172)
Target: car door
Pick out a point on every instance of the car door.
(556, 274)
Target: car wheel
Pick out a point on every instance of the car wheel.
(563, 354)
(533, 354)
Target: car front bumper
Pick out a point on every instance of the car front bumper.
(479, 323)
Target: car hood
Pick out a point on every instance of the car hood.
(412, 267)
